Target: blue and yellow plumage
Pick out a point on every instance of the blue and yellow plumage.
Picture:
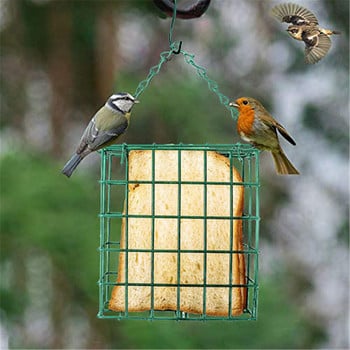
(105, 127)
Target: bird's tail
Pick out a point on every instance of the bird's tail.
(72, 164)
(282, 164)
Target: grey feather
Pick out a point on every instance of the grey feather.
(72, 164)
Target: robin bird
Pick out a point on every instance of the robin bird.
(257, 126)
(304, 27)
(104, 128)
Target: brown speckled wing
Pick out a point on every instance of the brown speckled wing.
(293, 13)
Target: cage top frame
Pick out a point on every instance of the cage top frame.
(238, 149)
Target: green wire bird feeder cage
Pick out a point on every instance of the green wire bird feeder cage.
(179, 225)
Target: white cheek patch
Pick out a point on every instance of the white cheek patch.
(123, 105)
(116, 103)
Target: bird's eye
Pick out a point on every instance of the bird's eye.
(245, 102)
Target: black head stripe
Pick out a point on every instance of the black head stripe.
(122, 95)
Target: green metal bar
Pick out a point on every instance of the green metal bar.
(183, 285)
(126, 271)
(200, 217)
(235, 149)
(249, 222)
(160, 182)
(256, 267)
(244, 317)
(231, 241)
(108, 174)
(102, 234)
(153, 228)
(178, 290)
(205, 228)
(193, 251)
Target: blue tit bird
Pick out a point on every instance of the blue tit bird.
(104, 128)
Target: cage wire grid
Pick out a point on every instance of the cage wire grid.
(114, 197)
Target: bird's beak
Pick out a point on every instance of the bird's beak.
(136, 101)
(232, 104)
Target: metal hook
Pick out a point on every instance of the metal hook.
(176, 52)
(193, 11)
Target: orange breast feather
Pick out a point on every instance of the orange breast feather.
(245, 120)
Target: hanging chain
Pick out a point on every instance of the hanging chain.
(175, 48)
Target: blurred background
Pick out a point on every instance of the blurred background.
(60, 60)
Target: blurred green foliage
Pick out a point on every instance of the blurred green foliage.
(42, 212)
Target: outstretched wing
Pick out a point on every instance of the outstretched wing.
(317, 46)
(293, 13)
